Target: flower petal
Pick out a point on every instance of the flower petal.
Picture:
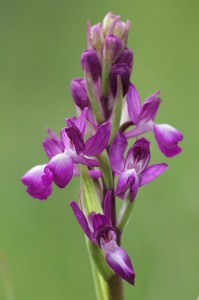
(151, 172)
(35, 186)
(98, 142)
(150, 107)
(120, 262)
(65, 139)
(167, 138)
(134, 188)
(107, 205)
(52, 145)
(116, 153)
(81, 219)
(134, 104)
(126, 179)
(138, 155)
(76, 137)
(61, 166)
(80, 121)
(85, 161)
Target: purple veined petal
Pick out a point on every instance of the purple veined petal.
(140, 129)
(107, 205)
(81, 219)
(61, 167)
(120, 262)
(116, 153)
(126, 179)
(65, 139)
(79, 121)
(35, 186)
(85, 161)
(76, 137)
(99, 221)
(134, 104)
(168, 138)
(150, 107)
(138, 155)
(52, 144)
(134, 188)
(98, 142)
(152, 172)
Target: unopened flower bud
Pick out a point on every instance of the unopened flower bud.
(97, 38)
(90, 60)
(112, 48)
(124, 72)
(120, 29)
(126, 57)
(107, 22)
(79, 94)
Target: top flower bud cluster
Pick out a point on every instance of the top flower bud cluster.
(106, 58)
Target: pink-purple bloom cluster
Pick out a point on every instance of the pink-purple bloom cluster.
(110, 119)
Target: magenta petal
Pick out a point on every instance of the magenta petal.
(61, 167)
(65, 139)
(134, 105)
(35, 186)
(138, 155)
(126, 179)
(150, 107)
(81, 219)
(85, 161)
(116, 153)
(76, 137)
(168, 138)
(107, 205)
(52, 144)
(98, 142)
(79, 121)
(120, 262)
(134, 188)
(151, 172)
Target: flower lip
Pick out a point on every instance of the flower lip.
(103, 232)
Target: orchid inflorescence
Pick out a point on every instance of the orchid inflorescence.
(93, 145)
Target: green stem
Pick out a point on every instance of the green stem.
(125, 214)
(6, 278)
(115, 288)
(99, 283)
(106, 170)
(105, 76)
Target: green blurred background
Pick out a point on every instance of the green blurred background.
(43, 246)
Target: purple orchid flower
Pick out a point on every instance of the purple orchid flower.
(133, 171)
(98, 228)
(143, 116)
(64, 153)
